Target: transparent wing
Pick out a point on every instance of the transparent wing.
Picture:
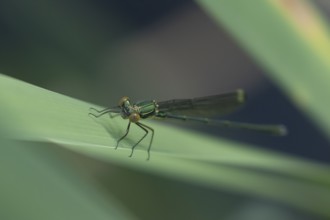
(204, 106)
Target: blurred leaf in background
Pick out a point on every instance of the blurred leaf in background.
(292, 41)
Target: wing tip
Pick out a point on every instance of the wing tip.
(282, 130)
(241, 95)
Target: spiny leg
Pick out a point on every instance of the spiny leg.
(120, 139)
(103, 112)
(100, 114)
(141, 126)
(94, 109)
(152, 138)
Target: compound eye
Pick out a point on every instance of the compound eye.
(122, 101)
(134, 117)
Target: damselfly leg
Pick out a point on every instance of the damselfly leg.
(103, 112)
(120, 139)
(145, 128)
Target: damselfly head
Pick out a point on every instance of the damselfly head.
(123, 101)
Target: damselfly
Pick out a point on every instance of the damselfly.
(196, 109)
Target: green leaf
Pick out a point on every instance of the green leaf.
(33, 188)
(31, 113)
(290, 40)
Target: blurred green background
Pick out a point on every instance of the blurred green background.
(99, 51)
